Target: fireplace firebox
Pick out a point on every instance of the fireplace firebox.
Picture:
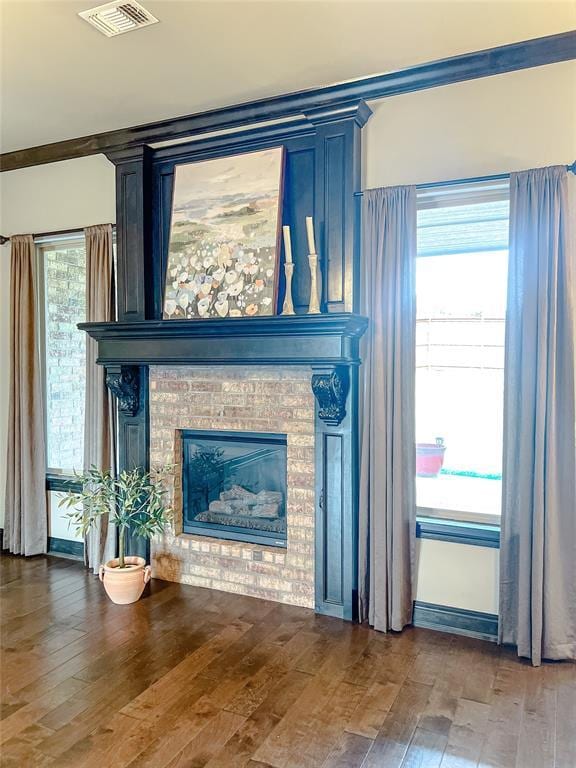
(234, 485)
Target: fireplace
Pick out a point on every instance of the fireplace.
(234, 485)
(293, 377)
(283, 374)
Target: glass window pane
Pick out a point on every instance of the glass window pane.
(461, 306)
(64, 267)
(463, 228)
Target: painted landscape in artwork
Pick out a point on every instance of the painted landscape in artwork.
(223, 253)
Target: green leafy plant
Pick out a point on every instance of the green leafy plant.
(133, 500)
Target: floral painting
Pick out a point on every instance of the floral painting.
(224, 237)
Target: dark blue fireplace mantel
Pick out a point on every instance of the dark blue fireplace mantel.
(327, 343)
(329, 339)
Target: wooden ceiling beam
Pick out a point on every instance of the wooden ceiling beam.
(469, 66)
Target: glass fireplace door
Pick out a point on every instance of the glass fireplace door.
(234, 485)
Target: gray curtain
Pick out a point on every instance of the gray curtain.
(538, 539)
(387, 456)
(26, 523)
(99, 423)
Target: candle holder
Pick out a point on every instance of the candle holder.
(288, 306)
(314, 307)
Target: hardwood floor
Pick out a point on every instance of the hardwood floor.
(188, 678)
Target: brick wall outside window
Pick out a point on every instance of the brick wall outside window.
(65, 306)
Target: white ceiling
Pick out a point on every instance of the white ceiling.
(60, 78)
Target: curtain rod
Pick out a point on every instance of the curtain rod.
(39, 235)
(473, 179)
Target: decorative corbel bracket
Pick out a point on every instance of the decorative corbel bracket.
(124, 383)
(330, 388)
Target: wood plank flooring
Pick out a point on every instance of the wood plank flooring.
(190, 678)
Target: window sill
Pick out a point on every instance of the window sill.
(456, 532)
(62, 483)
(458, 516)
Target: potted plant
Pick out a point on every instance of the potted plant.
(430, 458)
(134, 502)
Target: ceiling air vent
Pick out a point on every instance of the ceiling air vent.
(118, 17)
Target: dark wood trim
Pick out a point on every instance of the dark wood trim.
(330, 389)
(124, 383)
(457, 621)
(66, 547)
(250, 140)
(329, 339)
(337, 180)
(343, 323)
(134, 449)
(134, 230)
(336, 535)
(62, 483)
(329, 102)
(475, 534)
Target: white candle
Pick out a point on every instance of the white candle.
(287, 244)
(310, 233)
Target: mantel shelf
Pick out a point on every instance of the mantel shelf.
(316, 340)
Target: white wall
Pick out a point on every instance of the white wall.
(520, 120)
(46, 198)
(458, 575)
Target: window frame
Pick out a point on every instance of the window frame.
(474, 534)
(56, 480)
(454, 525)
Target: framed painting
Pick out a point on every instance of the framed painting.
(223, 256)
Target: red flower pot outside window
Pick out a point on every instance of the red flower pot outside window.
(430, 458)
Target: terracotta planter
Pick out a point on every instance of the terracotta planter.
(125, 585)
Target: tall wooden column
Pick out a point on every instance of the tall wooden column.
(135, 301)
(335, 388)
(337, 177)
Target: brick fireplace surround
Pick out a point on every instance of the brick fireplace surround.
(290, 375)
(260, 399)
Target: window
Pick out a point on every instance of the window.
(62, 270)
(461, 280)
